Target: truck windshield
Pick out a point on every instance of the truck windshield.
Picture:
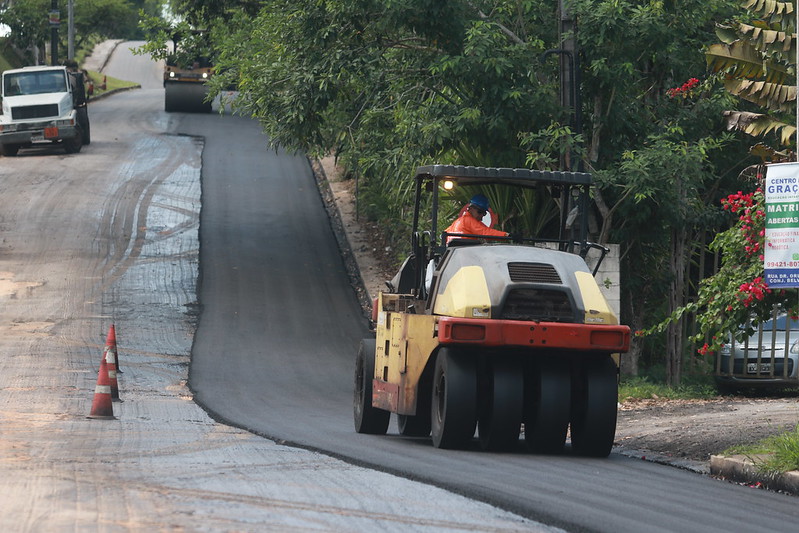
(23, 83)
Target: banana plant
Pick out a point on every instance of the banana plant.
(756, 61)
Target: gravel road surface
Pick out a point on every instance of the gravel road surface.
(110, 236)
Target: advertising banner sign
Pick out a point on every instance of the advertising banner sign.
(781, 254)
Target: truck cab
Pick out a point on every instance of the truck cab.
(43, 105)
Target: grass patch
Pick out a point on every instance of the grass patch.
(110, 83)
(772, 455)
(692, 388)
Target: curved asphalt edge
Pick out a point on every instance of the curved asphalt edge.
(347, 255)
(738, 468)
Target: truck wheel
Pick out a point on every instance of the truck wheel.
(454, 406)
(9, 150)
(547, 405)
(73, 146)
(368, 419)
(594, 405)
(85, 127)
(500, 404)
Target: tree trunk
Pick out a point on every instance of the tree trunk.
(674, 331)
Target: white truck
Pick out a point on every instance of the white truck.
(43, 104)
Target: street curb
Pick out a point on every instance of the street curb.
(743, 469)
(104, 50)
(100, 55)
(117, 42)
(113, 91)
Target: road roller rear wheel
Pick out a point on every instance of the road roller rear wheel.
(594, 406)
(368, 419)
(454, 401)
(547, 405)
(501, 401)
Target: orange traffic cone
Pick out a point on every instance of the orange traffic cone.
(111, 344)
(102, 408)
(110, 358)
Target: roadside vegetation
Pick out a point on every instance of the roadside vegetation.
(387, 86)
(650, 388)
(774, 455)
(111, 83)
(94, 21)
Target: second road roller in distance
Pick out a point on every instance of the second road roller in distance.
(495, 333)
(185, 87)
(187, 70)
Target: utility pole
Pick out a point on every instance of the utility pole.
(71, 29)
(568, 57)
(570, 71)
(569, 61)
(55, 21)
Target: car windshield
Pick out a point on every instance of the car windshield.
(24, 83)
(779, 325)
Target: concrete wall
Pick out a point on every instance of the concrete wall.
(608, 276)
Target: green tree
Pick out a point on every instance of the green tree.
(178, 43)
(658, 148)
(756, 62)
(27, 22)
(387, 85)
(94, 20)
(104, 19)
(390, 85)
(201, 11)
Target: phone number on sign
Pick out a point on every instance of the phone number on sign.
(782, 264)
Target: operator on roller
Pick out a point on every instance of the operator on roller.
(470, 222)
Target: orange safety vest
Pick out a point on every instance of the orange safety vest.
(466, 223)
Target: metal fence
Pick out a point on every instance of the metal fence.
(768, 355)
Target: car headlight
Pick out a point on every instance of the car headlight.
(725, 349)
(795, 347)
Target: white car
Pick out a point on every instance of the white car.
(761, 360)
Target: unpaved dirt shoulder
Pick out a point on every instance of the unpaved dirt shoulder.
(693, 430)
(366, 256)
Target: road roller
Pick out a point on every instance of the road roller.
(500, 341)
(185, 86)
